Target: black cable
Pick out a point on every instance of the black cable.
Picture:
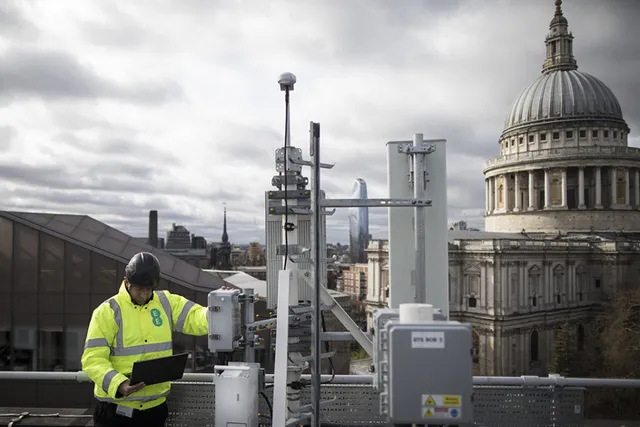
(287, 226)
(327, 349)
(266, 399)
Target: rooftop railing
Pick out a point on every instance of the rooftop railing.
(498, 401)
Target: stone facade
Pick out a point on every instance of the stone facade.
(516, 291)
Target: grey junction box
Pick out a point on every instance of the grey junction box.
(225, 320)
(430, 379)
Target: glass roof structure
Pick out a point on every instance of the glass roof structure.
(84, 231)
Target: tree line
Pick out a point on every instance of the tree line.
(609, 348)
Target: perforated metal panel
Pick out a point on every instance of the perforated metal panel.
(192, 404)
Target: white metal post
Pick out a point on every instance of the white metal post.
(287, 281)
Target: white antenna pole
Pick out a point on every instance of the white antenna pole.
(286, 373)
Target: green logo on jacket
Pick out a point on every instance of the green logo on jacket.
(156, 317)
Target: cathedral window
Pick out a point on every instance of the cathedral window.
(531, 138)
(594, 133)
(605, 133)
(473, 302)
(556, 136)
(534, 284)
(569, 134)
(580, 337)
(533, 344)
(558, 282)
(583, 133)
(521, 140)
(543, 136)
(615, 134)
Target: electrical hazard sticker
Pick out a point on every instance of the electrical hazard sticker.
(442, 406)
(451, 400)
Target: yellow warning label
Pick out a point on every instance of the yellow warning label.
(451, 400)
(428, 413)
(430, 401)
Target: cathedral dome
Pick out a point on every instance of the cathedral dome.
(565, 164)
(563, 95)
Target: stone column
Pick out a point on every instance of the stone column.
(516, 193)
(564, 188)
(627, 183)
(495, 194)
(581, 188)
(636, 188)
(505, 192)
(547, 189)
(598, 173)
(614, 188)
(532, 194)
(487, 195)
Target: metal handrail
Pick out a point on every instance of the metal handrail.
(531, 381)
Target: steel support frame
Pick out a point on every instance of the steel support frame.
(320, 294)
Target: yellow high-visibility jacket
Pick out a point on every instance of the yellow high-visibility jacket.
(121, 333)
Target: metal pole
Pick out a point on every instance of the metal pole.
(530, 381)
(420, 193)
(317, 274)
(249, 317)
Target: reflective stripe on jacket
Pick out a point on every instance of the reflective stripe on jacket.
(121, 333)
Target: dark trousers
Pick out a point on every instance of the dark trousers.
(104, 415)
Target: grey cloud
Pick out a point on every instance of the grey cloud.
(70, 118)
(124, 176)
(117, 29)
(57, 75)
(131, 152)
(249, 143)
(7, 135)
(13, 23)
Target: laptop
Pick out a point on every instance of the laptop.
(160, 370)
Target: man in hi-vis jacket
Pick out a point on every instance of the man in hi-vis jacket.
(135, 324)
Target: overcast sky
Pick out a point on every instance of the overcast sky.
(113, 108)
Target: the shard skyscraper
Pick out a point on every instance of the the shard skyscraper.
(359, 224)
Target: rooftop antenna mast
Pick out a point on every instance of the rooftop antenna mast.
(291, 183)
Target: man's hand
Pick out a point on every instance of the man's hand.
(126, 388)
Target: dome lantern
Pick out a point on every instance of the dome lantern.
(559, 43)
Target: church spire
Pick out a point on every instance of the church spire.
(559, 43)
(225, 236)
